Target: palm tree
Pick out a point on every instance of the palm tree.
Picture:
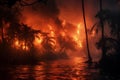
(89, 56)
(48, 43)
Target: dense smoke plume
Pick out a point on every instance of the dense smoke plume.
(63, 18)
(45, 17)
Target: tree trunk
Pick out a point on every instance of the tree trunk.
(87, 44)
(2, 34)
(103, 57)
(2, 31)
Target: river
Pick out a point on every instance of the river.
(69, 69)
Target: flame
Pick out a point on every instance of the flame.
(62, 33)
(77, 36)
(78, 29)
(51, 30)
(63, 23)
(93, 33)
(25, 47)
(17, 43)
(38, 39)
(20, 45)
(80, 44)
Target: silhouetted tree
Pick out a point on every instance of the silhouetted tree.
(101, 15)
(27, 34)
(48, 43)
(102, 27)
(5, 18)
(88, 51)
(110, 45)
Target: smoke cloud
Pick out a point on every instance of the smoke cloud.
(56, 12)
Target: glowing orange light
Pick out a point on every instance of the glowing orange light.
(80, 44)
(63, 33)
(77, 36)
(93, 33)
(64, 23)
(52, 34)
(25, 47)
(19, 45)
(50, 27)
(38, 40)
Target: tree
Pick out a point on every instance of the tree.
(102, 26)
(102, 15)
(112, 20)
(5, 18)
(23, 33)
(27, 35)
(48, 43)
(86, 34)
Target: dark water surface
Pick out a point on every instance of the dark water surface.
(72, 69)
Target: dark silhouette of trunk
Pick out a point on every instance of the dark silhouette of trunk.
(103, 57)
(2, 32)
(87, 44)
(2, 35)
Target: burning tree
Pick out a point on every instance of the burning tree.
(52, 37)
(22, 35)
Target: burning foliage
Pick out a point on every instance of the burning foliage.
(37, 31)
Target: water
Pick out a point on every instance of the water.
(72, 69)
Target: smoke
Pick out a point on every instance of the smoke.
(71, 11)
(45, 17)
(64, 16)
(53, 14)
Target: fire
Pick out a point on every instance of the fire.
(17, 43)
(63, 33)
(20, 45)
(77, 36)
(78, 29)
(38, 40)
(51, 30)
(52, 34)
(80, 44)
(64, 23)
(93, 33)
(25, 47)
